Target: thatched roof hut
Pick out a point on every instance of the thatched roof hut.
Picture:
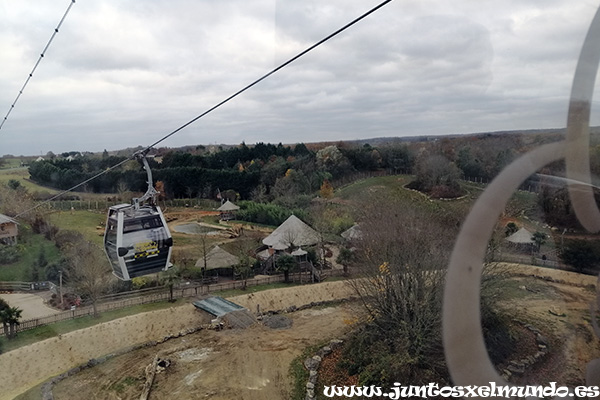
(218, 258)
(228, 210)
(353, 233)
(522, 236)
(292, 232)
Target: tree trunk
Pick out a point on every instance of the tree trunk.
(12, 327)
(6, 330)
(150, 374)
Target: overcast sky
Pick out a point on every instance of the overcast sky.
(125, 73)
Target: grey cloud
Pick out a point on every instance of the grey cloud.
(126, 73)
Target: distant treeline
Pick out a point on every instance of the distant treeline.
(263, 171)
(268, 172)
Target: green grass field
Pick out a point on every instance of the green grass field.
(383, 185)
(14, 162)
(22, 176)
(30, 245)
(82, 221)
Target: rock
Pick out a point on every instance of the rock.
(310, 385)
(92, 363)
(312, 378)
(557, 312)
(324, 351)
(515, 370)
(335, 343)
(540, 339)
(517, 364)
(312, 363)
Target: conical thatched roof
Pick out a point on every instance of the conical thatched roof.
(6, 219)
(522, 236)
(218, 258)
(228, 206)
(352, 233)
(292, 231)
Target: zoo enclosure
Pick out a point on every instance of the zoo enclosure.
(151, 295)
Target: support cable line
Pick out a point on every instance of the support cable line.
(285, 64)
(268, 74)
(99, 174)
(12, 106)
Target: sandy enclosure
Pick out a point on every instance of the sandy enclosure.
(250, 364)
(28, 366)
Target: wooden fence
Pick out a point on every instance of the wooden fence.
(103, 205)
(529, 260)
(15, 286)
(153, 295)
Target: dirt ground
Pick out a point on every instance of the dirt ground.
(28, 366)
(561, 312)
(249, 364)
(254, 363)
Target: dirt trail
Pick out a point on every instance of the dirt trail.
(31, 304)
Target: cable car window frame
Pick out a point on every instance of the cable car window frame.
(111, 231)
(137, 224)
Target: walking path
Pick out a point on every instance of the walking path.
(32, 305)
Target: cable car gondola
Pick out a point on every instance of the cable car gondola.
(137, 239)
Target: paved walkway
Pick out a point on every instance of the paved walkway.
(32, 305)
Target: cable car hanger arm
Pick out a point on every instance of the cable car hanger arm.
(151, 192)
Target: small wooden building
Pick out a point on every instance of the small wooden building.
(8, 230)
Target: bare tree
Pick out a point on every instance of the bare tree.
(245, 251)
(402, 257)
(88, 272)
(203, 253)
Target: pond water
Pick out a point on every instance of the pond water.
(195, 229)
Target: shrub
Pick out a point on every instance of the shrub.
(268, 214)
(65, 237)
(580, 254)
(9, 254)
